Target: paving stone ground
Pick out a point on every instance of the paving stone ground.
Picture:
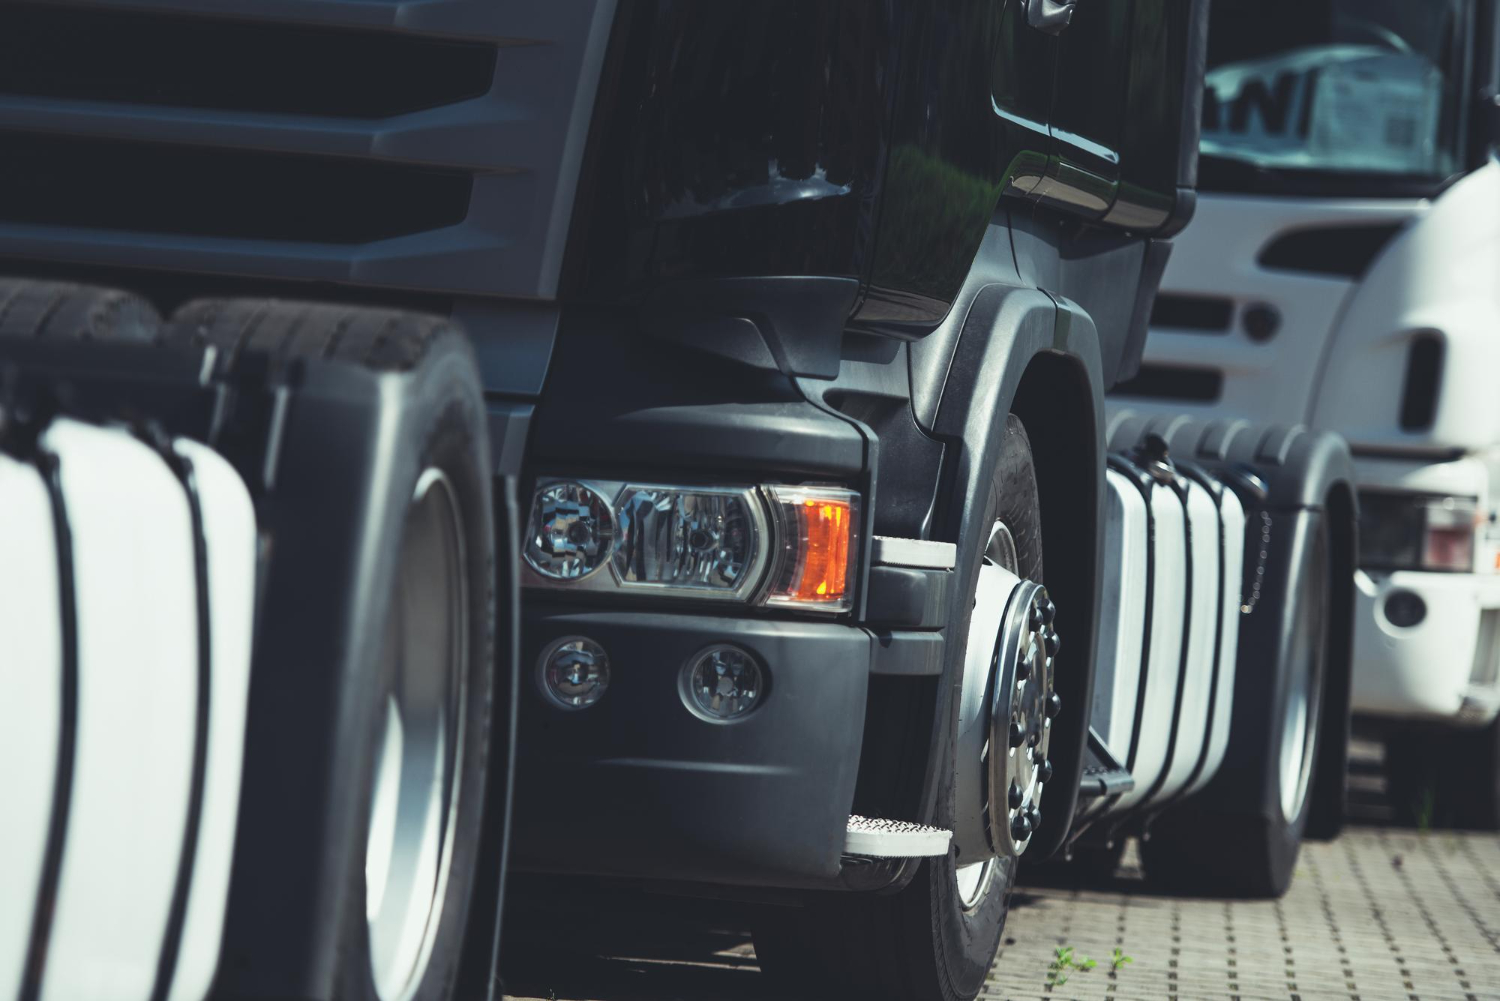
(1379, 914)
(1382, 914)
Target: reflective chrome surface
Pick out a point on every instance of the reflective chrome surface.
(415, 796)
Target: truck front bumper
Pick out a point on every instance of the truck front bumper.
(638, 786)
(1442, 668)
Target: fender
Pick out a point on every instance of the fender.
(1021, 350)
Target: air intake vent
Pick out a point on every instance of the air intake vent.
(1168, 382)
(1424, 377)
(1198, 313)
(235, 194)
(427, 147)
(1346, 251)
(176, 61)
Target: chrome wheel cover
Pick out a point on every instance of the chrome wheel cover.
(1007, 682)
(414, 801)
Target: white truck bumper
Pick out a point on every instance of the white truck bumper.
(1441, 668)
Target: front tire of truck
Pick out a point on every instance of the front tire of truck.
(936, 939)
(1244, 841)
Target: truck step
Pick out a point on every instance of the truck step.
(872, 837)
(1103, 775)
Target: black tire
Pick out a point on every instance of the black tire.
(920, 944)
(346, 523)
(1445, 777)
(65, 311)
(1234, 839)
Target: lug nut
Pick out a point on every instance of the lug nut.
(1020, 827)
(1023, 669)
(1034, 816)
(1038, 616)
(1053, 641)
(1017, 735)
(1054, 704)
(1015, 797)
(1035, 738)
(1049, 611)
(1044, 773)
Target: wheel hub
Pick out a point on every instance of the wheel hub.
(1024, 705)
(1007, 701)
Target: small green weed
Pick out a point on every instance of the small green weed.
(1425, 807)
(1118, 960)
(1064, 961)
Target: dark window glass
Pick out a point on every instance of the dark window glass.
(1373, 90)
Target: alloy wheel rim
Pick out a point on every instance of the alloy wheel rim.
(1299, 720)
(1021, 664)
(419, 750)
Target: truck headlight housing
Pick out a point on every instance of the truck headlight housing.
(793, 547)
(1401, 531)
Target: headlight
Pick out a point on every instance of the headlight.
(700, 540)
(1416, 531)
(572, 531)
(786, 546)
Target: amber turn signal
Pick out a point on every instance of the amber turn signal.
(816, 530)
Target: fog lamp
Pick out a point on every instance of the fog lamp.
(1405, 609)
(703, 539)
(816, 528)
(574, 672)
(722, 683)
(571, 532)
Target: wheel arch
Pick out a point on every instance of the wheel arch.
(1025, 352)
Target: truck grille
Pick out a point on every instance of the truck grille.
(429, 147)
(187, 62)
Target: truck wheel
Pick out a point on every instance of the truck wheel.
(1445, 777)
(934, 940)
(1242, 837)
(65, 311)
(406, 726)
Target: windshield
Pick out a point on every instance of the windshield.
(1371, 90)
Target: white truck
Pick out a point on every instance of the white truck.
(1343, 271)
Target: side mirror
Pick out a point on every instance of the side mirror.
(1051, 16)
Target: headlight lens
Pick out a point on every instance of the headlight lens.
(701, 540)
(1416, 531)
(571, 532)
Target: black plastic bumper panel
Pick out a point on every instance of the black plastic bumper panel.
(637, 786)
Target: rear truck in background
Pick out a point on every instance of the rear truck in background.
(792, 324)
(1341, 272)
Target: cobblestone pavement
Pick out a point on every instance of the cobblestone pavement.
(1379, 914)
(1382, 913)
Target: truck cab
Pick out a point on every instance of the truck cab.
(1341, 273)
